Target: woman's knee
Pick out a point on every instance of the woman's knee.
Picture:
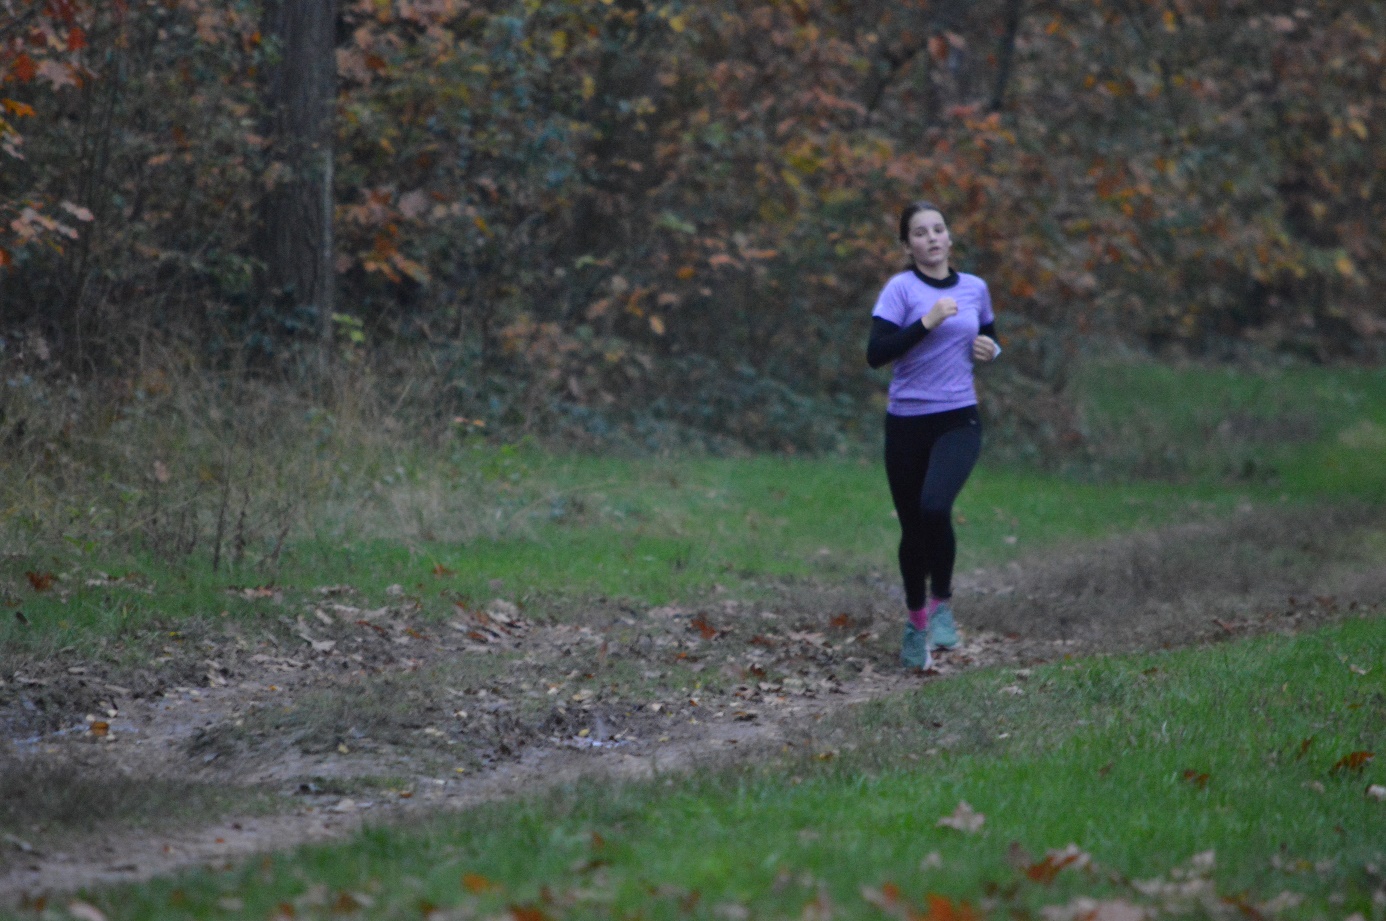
(933, 511)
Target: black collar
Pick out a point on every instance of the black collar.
(947, 282)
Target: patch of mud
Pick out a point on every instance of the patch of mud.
(341, 714)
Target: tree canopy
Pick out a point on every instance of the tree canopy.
(604, 203)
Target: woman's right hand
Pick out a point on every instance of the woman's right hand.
(943, 308)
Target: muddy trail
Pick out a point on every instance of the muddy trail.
(334, 713)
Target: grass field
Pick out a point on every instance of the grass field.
(1255, 750)
(646, 530)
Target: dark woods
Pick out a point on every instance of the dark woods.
(627, 213)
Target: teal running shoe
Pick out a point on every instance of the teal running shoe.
(914, 650)
(943, 633)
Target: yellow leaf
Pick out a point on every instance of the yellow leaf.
(20, 109)
(657, 325)
(1345, 267)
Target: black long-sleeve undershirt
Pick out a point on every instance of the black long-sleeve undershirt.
(889, 342)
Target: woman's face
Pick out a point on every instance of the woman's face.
(928, 242)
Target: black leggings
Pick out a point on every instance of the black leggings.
(928, 459)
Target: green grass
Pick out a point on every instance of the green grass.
(1093, 752)
(1306, 431)
(646, 530)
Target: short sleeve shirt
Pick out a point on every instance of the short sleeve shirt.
(936, 375)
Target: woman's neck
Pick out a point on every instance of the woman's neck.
(937, 272)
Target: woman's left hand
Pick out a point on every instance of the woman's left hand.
(984, 348)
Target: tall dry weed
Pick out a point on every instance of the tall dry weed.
(179, 460)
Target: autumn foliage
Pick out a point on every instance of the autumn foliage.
(687, 208)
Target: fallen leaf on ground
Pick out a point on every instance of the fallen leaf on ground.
(964, 819)
(85, 911)
(1283, 902)
(942, 908)
(1377, 792)
(527, 913)
(705, 629)
(1197, 778)
(42, 582)
(886, 898)
(1086, 909)
(1355, 762)
(1055, 862)
(476, 884)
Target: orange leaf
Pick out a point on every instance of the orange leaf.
(1355, 762)
(942, 908)
(1056, 861)
(440, 570)
(18, 109)
(5, 258)
(704, 628)
(527, 913)
(1196, 778)
(100, 728)
(41, 581)
(476, 883)
(23, 69)
(76, 39)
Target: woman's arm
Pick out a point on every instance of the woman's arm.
(889, 342)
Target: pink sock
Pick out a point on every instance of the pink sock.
(919, 619)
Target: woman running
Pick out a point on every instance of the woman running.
(933, 323)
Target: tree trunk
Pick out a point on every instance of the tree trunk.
(300, 90)
(1006, 55)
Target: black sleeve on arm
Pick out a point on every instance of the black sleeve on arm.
(989, 330)
(889, 342)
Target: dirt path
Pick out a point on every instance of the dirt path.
(344, 715)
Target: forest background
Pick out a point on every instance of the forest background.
(664, 223)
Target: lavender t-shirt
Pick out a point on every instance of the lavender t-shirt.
(936, 375)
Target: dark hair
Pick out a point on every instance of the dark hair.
(908, 215)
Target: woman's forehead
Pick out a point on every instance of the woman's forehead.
(927, 217)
